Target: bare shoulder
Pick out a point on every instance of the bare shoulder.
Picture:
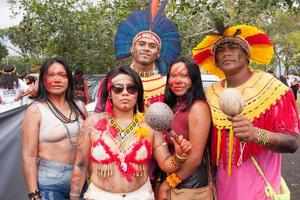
(32, 116)
(200, 106)
(33, 110)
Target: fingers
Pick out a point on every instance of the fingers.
(185, 145)
(182, 146)
(178, 139)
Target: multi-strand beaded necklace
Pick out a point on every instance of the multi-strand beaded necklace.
(65, 120)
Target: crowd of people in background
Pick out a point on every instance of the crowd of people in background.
(16, 91)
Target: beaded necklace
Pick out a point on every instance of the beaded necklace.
(124, 135)
(59, 115)
(123, 132)
(146, 74)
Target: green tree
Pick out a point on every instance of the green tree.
(3, 52)
(83, 31)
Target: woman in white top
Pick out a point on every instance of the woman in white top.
(50, 132)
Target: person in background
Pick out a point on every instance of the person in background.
(185, 95)
(295, 87)
(268, 124)
(282, 78)
(12, 89)
(50, 131)
(116, 144)
(33, 86)
(81, 86)
(29, 80)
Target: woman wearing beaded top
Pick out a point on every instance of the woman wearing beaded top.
(116, 144)
(50, 129)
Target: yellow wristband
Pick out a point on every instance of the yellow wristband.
(173, 180)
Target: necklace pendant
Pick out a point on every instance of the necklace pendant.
(122, 134)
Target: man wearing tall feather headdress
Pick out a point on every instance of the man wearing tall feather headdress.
(268, 124)
(153, 42)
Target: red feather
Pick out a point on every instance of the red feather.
(153, 11)
(203, 55)
(258, 39)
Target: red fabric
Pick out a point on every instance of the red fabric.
(214, 138)
(258, 39)
(223, 151)
(281, 117)
(98, 104)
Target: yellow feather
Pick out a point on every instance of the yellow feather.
(263, 53)
(207, 43)
(141, 132)
(246, 31)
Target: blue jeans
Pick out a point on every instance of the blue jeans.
(54, 180)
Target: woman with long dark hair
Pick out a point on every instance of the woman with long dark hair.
(185, 95)
(50, 132)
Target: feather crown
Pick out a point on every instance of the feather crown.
(152, 23)
(253, 41)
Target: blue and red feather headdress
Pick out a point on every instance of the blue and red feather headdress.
(154, 21)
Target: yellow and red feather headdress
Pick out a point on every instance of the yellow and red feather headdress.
(260, 47)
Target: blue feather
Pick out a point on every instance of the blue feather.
(163, 27)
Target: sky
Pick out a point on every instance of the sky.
(5, 16)
(6, 21)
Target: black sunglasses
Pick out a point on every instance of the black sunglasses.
(118, 88)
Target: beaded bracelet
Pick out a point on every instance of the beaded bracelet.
(34, 195)
(74, 194)
(179, 159)
(173, 180)
(263, 136)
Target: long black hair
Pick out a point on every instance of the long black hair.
(124, 69)
(43, 94)
(196, 90)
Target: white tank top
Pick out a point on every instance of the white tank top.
(54, 130)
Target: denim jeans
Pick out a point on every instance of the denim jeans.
(54, 180)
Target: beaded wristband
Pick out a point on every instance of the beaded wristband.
(34, 195)
(173, 180)
(262, 136)
(174, 162)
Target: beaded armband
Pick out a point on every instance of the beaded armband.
(173, 180)
(263, 136)
(34, 195)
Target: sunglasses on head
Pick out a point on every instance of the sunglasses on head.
(118, 88)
